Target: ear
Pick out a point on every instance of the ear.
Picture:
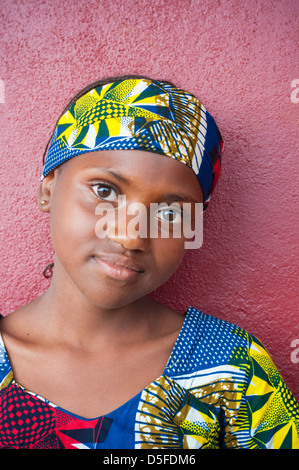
(45, 191)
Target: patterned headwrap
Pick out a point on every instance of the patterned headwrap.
(141, 114)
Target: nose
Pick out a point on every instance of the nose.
(130, 231)
(130, 243)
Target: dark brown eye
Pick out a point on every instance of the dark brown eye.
(104, 191)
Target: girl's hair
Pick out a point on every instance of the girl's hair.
(105, 81)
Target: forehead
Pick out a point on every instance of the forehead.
(138, 169)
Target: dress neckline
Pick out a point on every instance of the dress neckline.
(53, 405)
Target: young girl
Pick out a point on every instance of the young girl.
(95, 362)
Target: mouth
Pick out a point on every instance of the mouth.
(119, 268)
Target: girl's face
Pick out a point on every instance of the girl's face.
(104, 261)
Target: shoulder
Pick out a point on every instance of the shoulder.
(207, 341)
(13, 337)
(16, 323)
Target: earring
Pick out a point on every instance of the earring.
(43, 202)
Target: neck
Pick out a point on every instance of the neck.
(67, 314)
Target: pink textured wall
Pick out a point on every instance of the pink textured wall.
(240, 58)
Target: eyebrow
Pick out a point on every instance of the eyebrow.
(113, 173)
(179, 197)
(175, 197)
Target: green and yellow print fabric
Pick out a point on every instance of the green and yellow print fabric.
(140, 114)
(268, 413)
(132, 114)
(237, 399)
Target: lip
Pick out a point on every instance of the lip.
(119, 267)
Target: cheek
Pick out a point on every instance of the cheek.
(169, 254)
(72, 229)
